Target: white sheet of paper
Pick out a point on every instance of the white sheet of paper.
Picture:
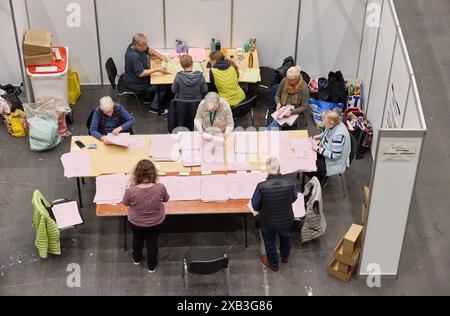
(136, 141)
(242, 186)
(122, 140)
(299, 207)
(165, 148)
(67, 215)
(197, 54)
(76, 164)
(111, 188)
(182, 188)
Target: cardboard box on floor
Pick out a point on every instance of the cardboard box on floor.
(339, 255)
(334, 270)
(37, 43)
(352, 240)
(366, 193)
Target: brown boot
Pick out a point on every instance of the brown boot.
(265, 261)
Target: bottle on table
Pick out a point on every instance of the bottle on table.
(250, 60)
(213, 44)
(218, 45)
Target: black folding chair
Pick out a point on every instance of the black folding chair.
(241, 110)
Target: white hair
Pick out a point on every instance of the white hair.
(273, 165)
(294, 72)
(106, 104)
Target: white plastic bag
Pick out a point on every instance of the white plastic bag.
(4, 105)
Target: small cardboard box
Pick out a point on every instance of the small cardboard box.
(364, 214)
(366, 193)
(37, 43)
(333, 269)
(344, 268)
(352, 239)
(338, 255)
(45, 59)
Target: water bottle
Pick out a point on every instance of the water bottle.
(218, 46)
(213, 44)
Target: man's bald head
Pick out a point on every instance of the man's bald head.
(140, 41)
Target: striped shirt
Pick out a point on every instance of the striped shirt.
(335, 149)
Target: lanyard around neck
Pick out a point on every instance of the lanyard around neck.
(212, 118)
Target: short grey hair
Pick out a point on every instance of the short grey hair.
(138, 39)
(212, 101)
(273, 165)
(106, 104)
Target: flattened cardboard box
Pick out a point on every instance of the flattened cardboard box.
(366, 193)
(37, 42)
(38, 60)
(364, 214)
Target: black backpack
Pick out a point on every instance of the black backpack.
(12, 96)
(337, 90)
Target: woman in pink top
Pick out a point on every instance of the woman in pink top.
(146, 212)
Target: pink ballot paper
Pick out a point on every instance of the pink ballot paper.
(190, 141)
(192, 158)
(238, 162)
(76, 164)
(122, 140)
(242, 186)
(165, 148)
(197, 54)
(303, 149)
(67, 215)
(214, 188)
(279, 116)
(182, 188)
(111, 188)
(246, 142)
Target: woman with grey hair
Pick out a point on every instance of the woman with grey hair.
(214, 116)
(292, 91)
(108, 118)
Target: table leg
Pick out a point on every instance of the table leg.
(80, 198)
(125, 248)
(245, 231)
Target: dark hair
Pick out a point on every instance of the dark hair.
(218, 56)
(145, 172)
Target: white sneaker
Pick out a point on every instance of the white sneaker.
(135, 263)
(166, 111)
(152, 271)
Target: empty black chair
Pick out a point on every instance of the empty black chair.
(111, 71)
(182, 114)
(241, 110)
(205, 261)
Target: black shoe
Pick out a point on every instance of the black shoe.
(154, 111)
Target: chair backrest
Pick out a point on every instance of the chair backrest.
(241, 110)
(111, 71)
(182, 114)
(121, 85)
(268, 77)
(206, 261)
(354, 148)
(89, 121)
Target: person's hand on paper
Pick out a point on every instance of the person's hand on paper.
(207, 136)
(288, 113)
(165, 58)
(162, 70)
(117, 131)
(279, 106)
(105, 140)
(317, 137)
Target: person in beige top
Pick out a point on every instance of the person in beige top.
(214, 116)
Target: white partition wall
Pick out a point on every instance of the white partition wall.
(368, 47)
(197, 21)
(144, 16)
(401, 130)
(79, 32)
(274, 24)
(330, 36)
(11, 72)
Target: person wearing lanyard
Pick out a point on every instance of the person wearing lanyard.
(214, 116)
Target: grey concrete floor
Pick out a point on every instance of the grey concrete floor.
(107, 270)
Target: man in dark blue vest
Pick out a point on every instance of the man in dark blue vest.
(110, 118)
(273, 200)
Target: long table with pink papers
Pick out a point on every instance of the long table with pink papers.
(221, 181)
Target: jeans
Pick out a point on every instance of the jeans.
(150, 236)
(156, 96)
(269, 235)
(274, 126)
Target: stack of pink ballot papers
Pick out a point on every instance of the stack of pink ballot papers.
(165, 148)
(197, 54)
(182, 188)
(242, 186)
(214, 188)
(245, 142)
(122, 140)
(111, 188)
(76, 164)
(67, 215)
(304, 154)
(213, 153)
(273, 143)
(238, 162)
(280, 117)
(190, 141)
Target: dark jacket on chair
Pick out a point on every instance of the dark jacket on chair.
(273, 200)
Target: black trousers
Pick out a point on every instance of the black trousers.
(321, 172)
(150, 236)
